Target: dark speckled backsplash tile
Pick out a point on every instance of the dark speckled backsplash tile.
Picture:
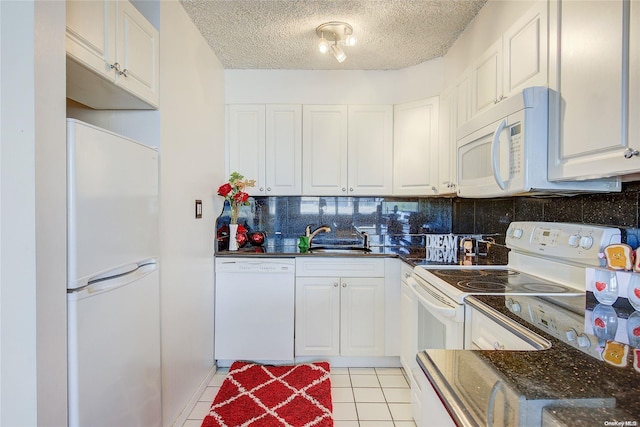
(288, 216)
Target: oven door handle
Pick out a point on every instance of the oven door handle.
(492, 402)
(431, 305)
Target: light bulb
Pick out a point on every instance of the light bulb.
(350, 41)
(323, 45)
(338, 53)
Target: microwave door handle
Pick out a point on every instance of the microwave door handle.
(492, 402)
(495, 145)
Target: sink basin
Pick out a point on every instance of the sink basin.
(339, 249)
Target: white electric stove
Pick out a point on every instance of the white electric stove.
(544, 259)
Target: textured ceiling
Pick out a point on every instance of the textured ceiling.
(280, 34)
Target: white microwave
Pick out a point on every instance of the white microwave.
(504, 151)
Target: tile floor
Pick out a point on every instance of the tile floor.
(362, 397)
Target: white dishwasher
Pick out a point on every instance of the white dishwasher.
(254, 310)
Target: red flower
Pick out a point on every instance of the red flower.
(241, 229)
(241, 197)
(225, 189)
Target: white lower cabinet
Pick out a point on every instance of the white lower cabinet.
(340, 315)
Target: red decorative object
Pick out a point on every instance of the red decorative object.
(273, 396)
(257, 238)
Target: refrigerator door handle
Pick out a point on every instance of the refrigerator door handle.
(109, 283)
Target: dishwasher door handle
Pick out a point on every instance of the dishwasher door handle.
(432, 305)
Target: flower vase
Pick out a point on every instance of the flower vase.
(233, 233)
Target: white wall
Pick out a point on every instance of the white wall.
(192, 167)
(32, 215)
(334, 87)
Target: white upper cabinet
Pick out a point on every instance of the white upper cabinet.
(517, 60)
(370, 150)
(112, 56)
(447, 181)
(347, 150)
(265, 144)
(283, 156)
(246, 134)
(415, 148)
(589, 131)
(324, 147)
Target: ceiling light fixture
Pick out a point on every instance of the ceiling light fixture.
(338, 33)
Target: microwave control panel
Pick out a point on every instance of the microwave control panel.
(515, 150)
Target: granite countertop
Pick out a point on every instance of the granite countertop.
(561, 372)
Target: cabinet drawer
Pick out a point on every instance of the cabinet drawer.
(340, 267)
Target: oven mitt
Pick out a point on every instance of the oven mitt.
(619, 256)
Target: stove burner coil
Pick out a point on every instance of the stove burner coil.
(544, 288)
(483, 286)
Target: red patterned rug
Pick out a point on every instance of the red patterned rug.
(273, 396)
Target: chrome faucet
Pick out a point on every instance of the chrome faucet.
(311, 234)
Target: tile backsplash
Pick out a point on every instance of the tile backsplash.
(386, 216)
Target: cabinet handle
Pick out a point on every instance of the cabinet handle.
(335, 285)
(268, 188)
(123, 72)
(261, 188)
(344, 285)
(344, 189)
(350, 189)
(630, 152)
(115, 66)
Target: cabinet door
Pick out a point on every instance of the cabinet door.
(463, 99)
(247, 144)
(634, 80)
(91, 35)
(587, 135)
(370, 150)
(415, 148)
(324, 150)
(447, 143)
(486, 79)
(283, 155)
(408, 320)
(317, 318)
(137, 53)
(362, 316)
(525, 51)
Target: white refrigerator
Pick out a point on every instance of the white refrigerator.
(113, 291)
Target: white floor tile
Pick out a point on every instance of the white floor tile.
(393, 381)
(405, 424)
(364, 380)
(368, 395)
(192, 423)
(341, 423)
(217, 379)
(373, 411)
(344, 411)
(389, 371)
(376, 424)
(340, 381)
(209, 394)
(362, 371)
(397, 395)
(401, 411)
(340, 371)
(341, 394)
(200, 411)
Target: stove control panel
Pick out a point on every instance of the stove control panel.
(578, 243)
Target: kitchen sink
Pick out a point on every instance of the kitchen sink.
(339, 249)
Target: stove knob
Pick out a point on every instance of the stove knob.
(584, 341)
(517, 233)
(586, 242)
(574, 240)
(515, 307)
(571, 334)
(508, 303)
